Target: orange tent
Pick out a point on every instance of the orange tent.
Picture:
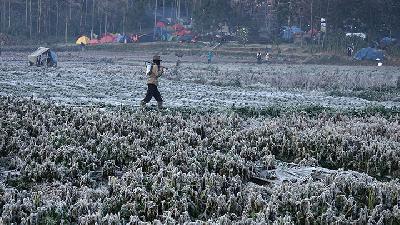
(182, 32)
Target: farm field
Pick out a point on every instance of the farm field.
(237, 142)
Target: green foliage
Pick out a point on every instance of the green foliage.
(394, 51)
(315, 111)
(371, 94)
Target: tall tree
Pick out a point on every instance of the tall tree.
(43, 18)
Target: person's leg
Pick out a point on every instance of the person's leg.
(158, 97)
(149, 94)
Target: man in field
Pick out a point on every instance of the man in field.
(209, 57)
(350, 50)
(1, 46)
(259, 57)
(152, 83)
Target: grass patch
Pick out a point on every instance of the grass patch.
(374, 94)
(270, 111)
(316, 110)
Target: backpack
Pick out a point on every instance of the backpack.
(149, 68)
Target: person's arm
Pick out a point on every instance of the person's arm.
(161, 71)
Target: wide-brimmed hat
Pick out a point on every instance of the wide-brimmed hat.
(157, 58)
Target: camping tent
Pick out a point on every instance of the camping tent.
(32, 58)
(289, 32)
(185, 38)
(43, 56)
(312, 32)
(369, 54)
(118, 37)
(82, 40)
(387, 41)
(146, 38)
(161, 33)
(164, 20)
(160, 24)
(108, 38)
(123, 39)
(53, 57)
(94, 42)
(183, 32)
(178, 27)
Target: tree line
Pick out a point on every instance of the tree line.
(67, 19)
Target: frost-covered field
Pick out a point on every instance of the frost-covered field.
(274, 144)
(120, 80)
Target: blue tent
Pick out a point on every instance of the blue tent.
(166, 37)
(387, 41)
(288, 32)
(164, 21)
(123, 39)
(146, 38)
(160, 31)
(369, 54)
(53, 57)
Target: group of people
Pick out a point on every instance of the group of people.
(259, 57)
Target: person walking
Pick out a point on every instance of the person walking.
(259, 57)
(209, 57)
(350, 50)
(1, 47)
(152, 82)
(267, 57)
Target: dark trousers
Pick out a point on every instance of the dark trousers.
(152, 91)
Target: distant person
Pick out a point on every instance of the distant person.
(259, 57)
(209, 57)
(267, 57)
(179, 56)
(1, 47)
(135, 38)
(152, 83)
(350, 50)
